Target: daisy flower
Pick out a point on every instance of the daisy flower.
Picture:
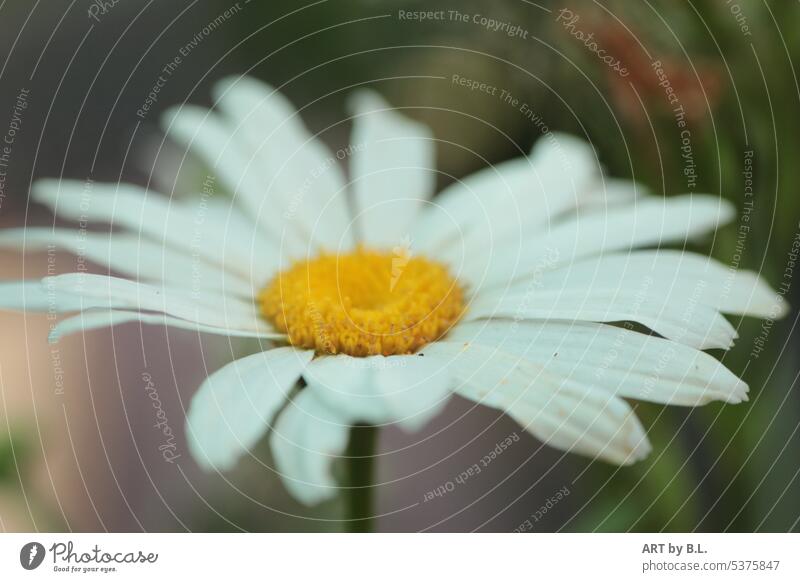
(537, 286)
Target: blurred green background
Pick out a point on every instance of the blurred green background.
(731, 69)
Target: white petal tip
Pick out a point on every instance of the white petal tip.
(313, 495)
(727, 211)
(225, 83)
(175, 118)
(44, 189)
(639, 447)
(715, 344)
(780, 307)
(204, 456)
(253, 89)
(734, 393)
(414, 424)
(363, 101)
(740, 393)
(169, 114)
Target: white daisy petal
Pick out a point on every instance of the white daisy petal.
(91, 320)
(679, 276)
(32, 295)
(491, 197)
(346, 384)
(210, 137)
(303, 176)
(691, 323)
(307, 438)
(415, 388)
(242, 247)
(595, 425)
(406, 389)
(648, 222)
(567, 416)
(511, 197)
(607, 192)
(235, 405)
(392, 168)
(205, 227)
(620, 361)
(215, 140)
(130, 255)
(200, 307)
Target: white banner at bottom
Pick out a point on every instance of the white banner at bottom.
(388, 557)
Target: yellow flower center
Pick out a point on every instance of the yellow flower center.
(363, 303)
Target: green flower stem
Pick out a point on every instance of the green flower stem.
(359, 487)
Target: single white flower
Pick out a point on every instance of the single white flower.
(377, 301)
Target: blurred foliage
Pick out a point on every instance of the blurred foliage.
(738, 468)
(8, 464)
